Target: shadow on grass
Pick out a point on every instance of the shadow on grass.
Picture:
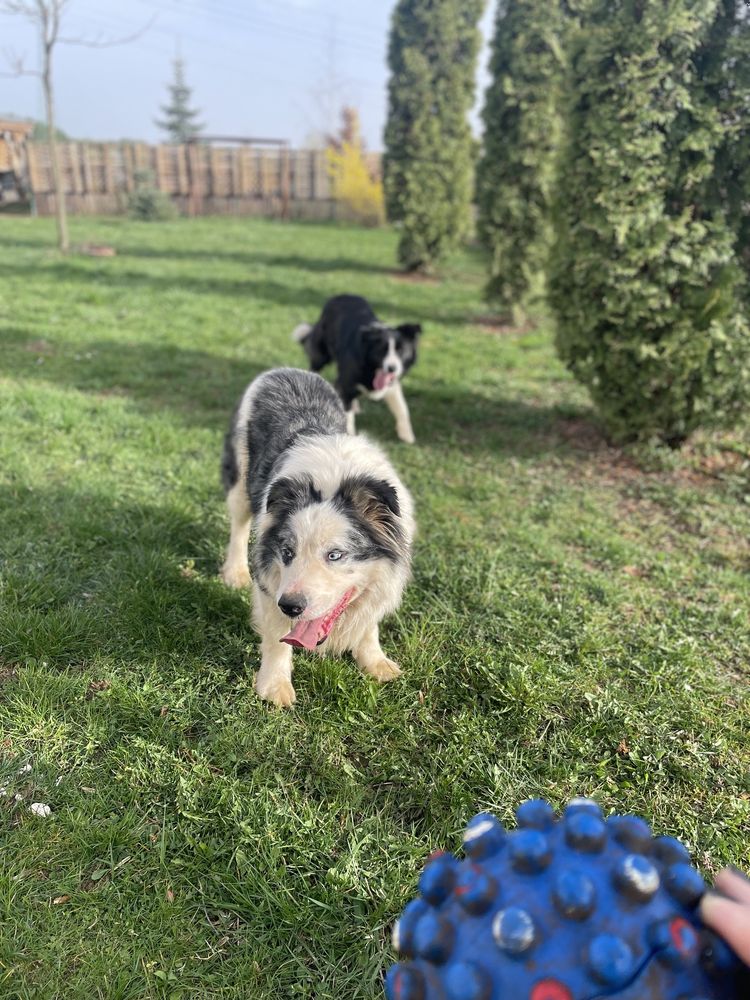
(201, 388)
(253, 258)
(115, 277)
(303, 297)
(101, 576)
(477, 425)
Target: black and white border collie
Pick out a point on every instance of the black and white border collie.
(333, 528)
(371, 356)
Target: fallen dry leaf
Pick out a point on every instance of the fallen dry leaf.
(623, 748)
(633, 571)
(170, 896)
(97, 250)
(95, 687)
(60, 899)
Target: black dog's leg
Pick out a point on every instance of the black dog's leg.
(316, 350)
(349, 399)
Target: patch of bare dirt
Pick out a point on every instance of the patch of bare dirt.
(41, 346)
(96, 250)
(114, 390)
(583, 434)
(611, 464)
(415, 278)
(726, 461)
(501, 326)
(7, 674)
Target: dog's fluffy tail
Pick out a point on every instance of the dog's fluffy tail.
(299, 333)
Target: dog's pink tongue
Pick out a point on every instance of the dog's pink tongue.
(382, 379)
(309, 634)
(306, 635)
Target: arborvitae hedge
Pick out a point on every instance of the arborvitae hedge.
(723, 67)
(516, 171)
(643, 276)
(428, 162)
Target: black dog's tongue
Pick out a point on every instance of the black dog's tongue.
(382, 379)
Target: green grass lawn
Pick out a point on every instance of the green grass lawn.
(577, 622)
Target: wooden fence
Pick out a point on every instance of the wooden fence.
(201, 179)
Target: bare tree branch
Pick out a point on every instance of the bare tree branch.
(105, 43)
(17, 67)
(46, 16)
(19, 7)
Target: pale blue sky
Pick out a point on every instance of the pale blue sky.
(274, 68)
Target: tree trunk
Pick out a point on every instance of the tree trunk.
(62, 216)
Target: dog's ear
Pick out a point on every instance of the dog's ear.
(409, 330)
(288, 495)
(375, 501)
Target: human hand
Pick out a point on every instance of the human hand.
(727, 911)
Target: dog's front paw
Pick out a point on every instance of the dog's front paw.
(277, 690)
(383, 670)
(406, 434)
(235, 575)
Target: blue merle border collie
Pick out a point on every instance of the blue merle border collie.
(333, 528)
(371, 357)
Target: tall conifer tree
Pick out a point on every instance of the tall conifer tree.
(643, 274)
(180, 121)
(723, 75)
(428, 163)
(521, 129)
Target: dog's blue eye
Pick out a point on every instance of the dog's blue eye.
(334, 555)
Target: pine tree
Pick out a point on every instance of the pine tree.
(723, 69)
(428, 162)
(180, 121)
(516, 171)
(643, 275)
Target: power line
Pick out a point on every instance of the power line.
(372, 34)
(247, 66)
(254, 21)
(369, 26)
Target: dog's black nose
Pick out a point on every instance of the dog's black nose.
(390, 368)
(292, 604)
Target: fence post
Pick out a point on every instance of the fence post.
(159, 169)
(181, 153)
(195, 179)
(285, 179)
(109, 174)
(32, 165)
(88, 178)
(128, 165)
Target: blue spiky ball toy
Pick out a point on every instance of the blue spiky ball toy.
(575, 908)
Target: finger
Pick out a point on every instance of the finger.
(730, 920)
(733, 883)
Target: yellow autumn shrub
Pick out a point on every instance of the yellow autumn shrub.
(358, 192)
